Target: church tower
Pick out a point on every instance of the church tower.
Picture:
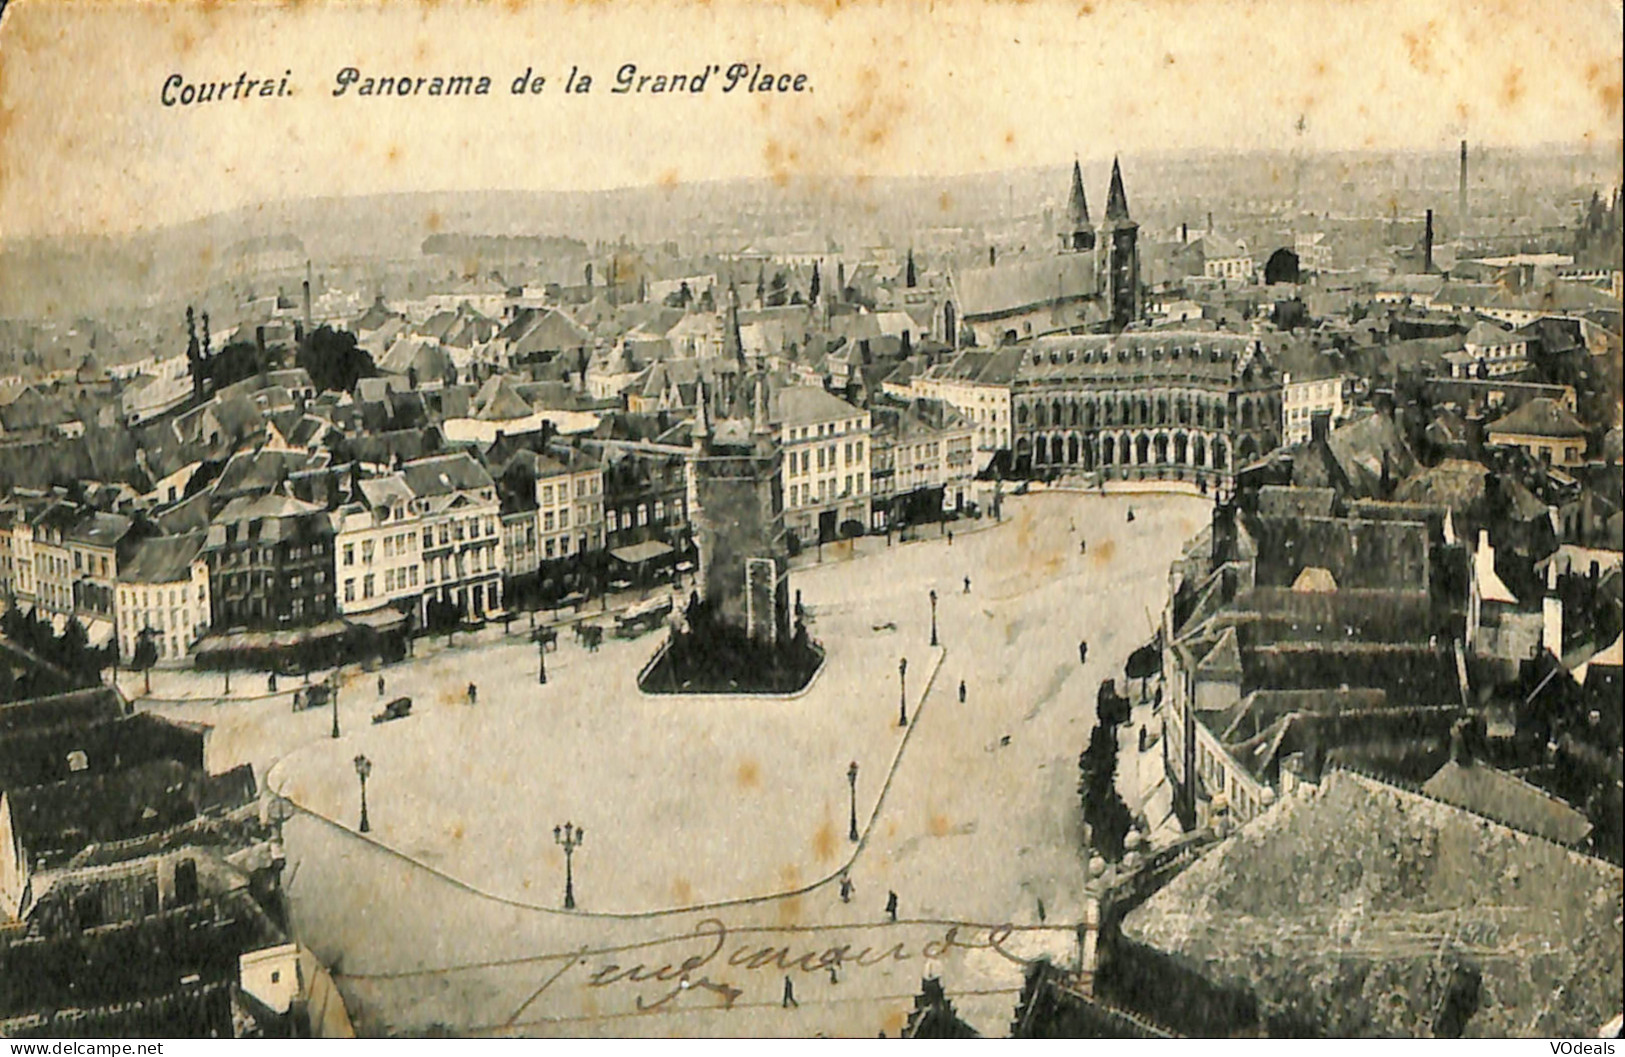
(1121, 236)
(1079, 235)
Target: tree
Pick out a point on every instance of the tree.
(334, 360)
(1143, 663)
(910, 278)
(146, 655)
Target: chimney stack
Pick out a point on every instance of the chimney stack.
(1184, 233)
(1427, 246)
(1551, 614)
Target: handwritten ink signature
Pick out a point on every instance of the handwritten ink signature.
(686, 975)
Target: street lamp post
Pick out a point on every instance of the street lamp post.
(363, 768)
(902, 692)
(933, 616)
(569, 837)
(852, 781)
(333, 694)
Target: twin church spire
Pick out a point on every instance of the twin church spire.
(1079, 234)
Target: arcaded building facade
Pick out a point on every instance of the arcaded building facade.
(1159, 405)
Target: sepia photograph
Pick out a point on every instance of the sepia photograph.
(1087, 520)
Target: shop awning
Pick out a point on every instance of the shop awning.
(638, 553)
(384, 618)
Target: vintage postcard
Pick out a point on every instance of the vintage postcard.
(1063, 519)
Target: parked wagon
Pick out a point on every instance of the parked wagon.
(547, 638)
(399, 708)
(644, 617)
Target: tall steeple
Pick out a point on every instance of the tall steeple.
(1116, 197)
(1079, 234)
(1122, 273)
(733, 346)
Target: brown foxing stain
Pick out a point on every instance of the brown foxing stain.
(749, 774)
(893, 1024)
(945, 201)
(668, 180)
(433, 221)
(393, 154)
(1512, 88)
(682, 890)
(823, 842)
(1608, 88)
(790, 906)
(1419, 47)
(1103, 552)
(937, 825)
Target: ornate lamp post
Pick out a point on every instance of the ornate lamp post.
(569, 837)
(333, 694)
(933, 616)
(852, 781)
(902, 689)
(363, 768)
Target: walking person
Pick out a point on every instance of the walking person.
(1083, 546)
(380, 686)
(473, 694)
(790, 995)
(891, 905)
(961, 691)
(967, 585)
(950, 537)
(846, 889)
(1083, 653)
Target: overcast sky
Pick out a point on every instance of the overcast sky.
(897, 88)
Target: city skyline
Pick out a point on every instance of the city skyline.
(889, 93)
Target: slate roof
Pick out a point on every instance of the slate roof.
(1347, 910)
(444, 474)
(1507, 799)
(1022, 283)
(498, 401)
(802, 405)
(162, 559)
(1540, 417)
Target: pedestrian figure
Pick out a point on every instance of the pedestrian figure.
(270, 683)
(1131, 513)
(1083, 546)
(380, 686)
(846, 889)
(832, 977)
(967, 585)
(790, 994)
(297, 698)
(950, 538)
(891, 905)
(1083, 653)
(473, 693)
(1142, 739)
(961, 691)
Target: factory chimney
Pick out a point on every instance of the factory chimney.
(1461, 191)
(307, 300)
(1427, 246)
